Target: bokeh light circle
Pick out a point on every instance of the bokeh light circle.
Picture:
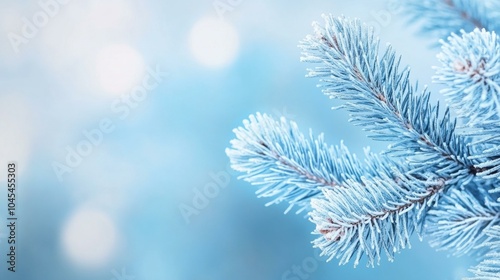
(89, 237)
(119, 68)
(213, 42)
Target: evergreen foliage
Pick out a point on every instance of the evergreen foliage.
(439, 175)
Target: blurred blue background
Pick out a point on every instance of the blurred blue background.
(122, 208)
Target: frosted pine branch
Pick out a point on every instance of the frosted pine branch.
(377, 215)
(471, 71)
(459, 221)
(439, 175)
(444, 17)
(287, 165)
(489, 268)
(382, 99)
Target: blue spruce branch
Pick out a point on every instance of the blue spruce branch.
(288, 165)
(292, 167)
(373, 216)
(382, 99)
(470, 71)
(438, 177)
(468, 215)
(443, 17)
(489, 268)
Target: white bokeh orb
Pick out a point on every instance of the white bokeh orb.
(89, 238)
(119, 68)
(213, 42)
(72, 38)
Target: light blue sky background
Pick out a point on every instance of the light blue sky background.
(118, 210)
